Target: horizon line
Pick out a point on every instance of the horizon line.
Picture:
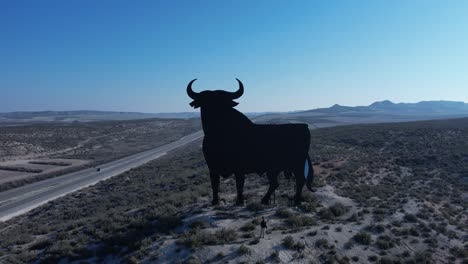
(195, 111)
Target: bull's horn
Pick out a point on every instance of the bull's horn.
(239, 92)
(190, 92)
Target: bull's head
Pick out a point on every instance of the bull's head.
(216, 98)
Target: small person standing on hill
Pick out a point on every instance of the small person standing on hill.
(263, 226)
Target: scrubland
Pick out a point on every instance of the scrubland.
(385, 193)
(84, 144)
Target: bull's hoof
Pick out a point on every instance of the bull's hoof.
(239, 202)
(215, 202)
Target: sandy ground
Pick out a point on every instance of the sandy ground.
(270, 249)
(235, 217)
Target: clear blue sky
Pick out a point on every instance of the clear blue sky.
(139, 55)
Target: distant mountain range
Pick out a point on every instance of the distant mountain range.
(383, 111)
(421, 108)
(378, 112)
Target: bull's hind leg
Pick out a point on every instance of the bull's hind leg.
(240, 178)
(273, 180)
(300, 181)
(215, 187)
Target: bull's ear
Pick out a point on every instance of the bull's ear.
(232, 103)
(195, 104)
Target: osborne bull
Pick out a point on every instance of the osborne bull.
(235, 145)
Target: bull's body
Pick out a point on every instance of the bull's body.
(235, 145)
(244, 147)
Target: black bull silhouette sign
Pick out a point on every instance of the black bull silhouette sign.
(235, 145)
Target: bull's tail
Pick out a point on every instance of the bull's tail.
(308, 173)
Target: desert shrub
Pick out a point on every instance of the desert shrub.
(378, 228)
(41, 244)
(198, 224)
(22, 239)
(309, 197)
(308, 207)
(250, 226)
(400, 232)
(349, 244)
(299, 246)
(275, 256)
(431, 242)
(338, 209)
(288, 242)
(198, 238)
(284, 213)
(422, 257)
(363, 238)
(255, 207)
(326, 214)
(220, 255)
(322, 242)
(243, 250)
(191, 260)
(413, 232)
(40, 230)
(410, 218)
(459, 252)
(441, 228)
(59, 249)
(297, 221)
(226, 235)
(384, 242)
(452, 234)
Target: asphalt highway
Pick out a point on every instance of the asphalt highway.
(23, 199)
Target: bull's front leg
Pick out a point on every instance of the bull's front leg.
(240, 178)
(273, 181)
(215, 187)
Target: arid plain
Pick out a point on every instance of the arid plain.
(385, 193)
